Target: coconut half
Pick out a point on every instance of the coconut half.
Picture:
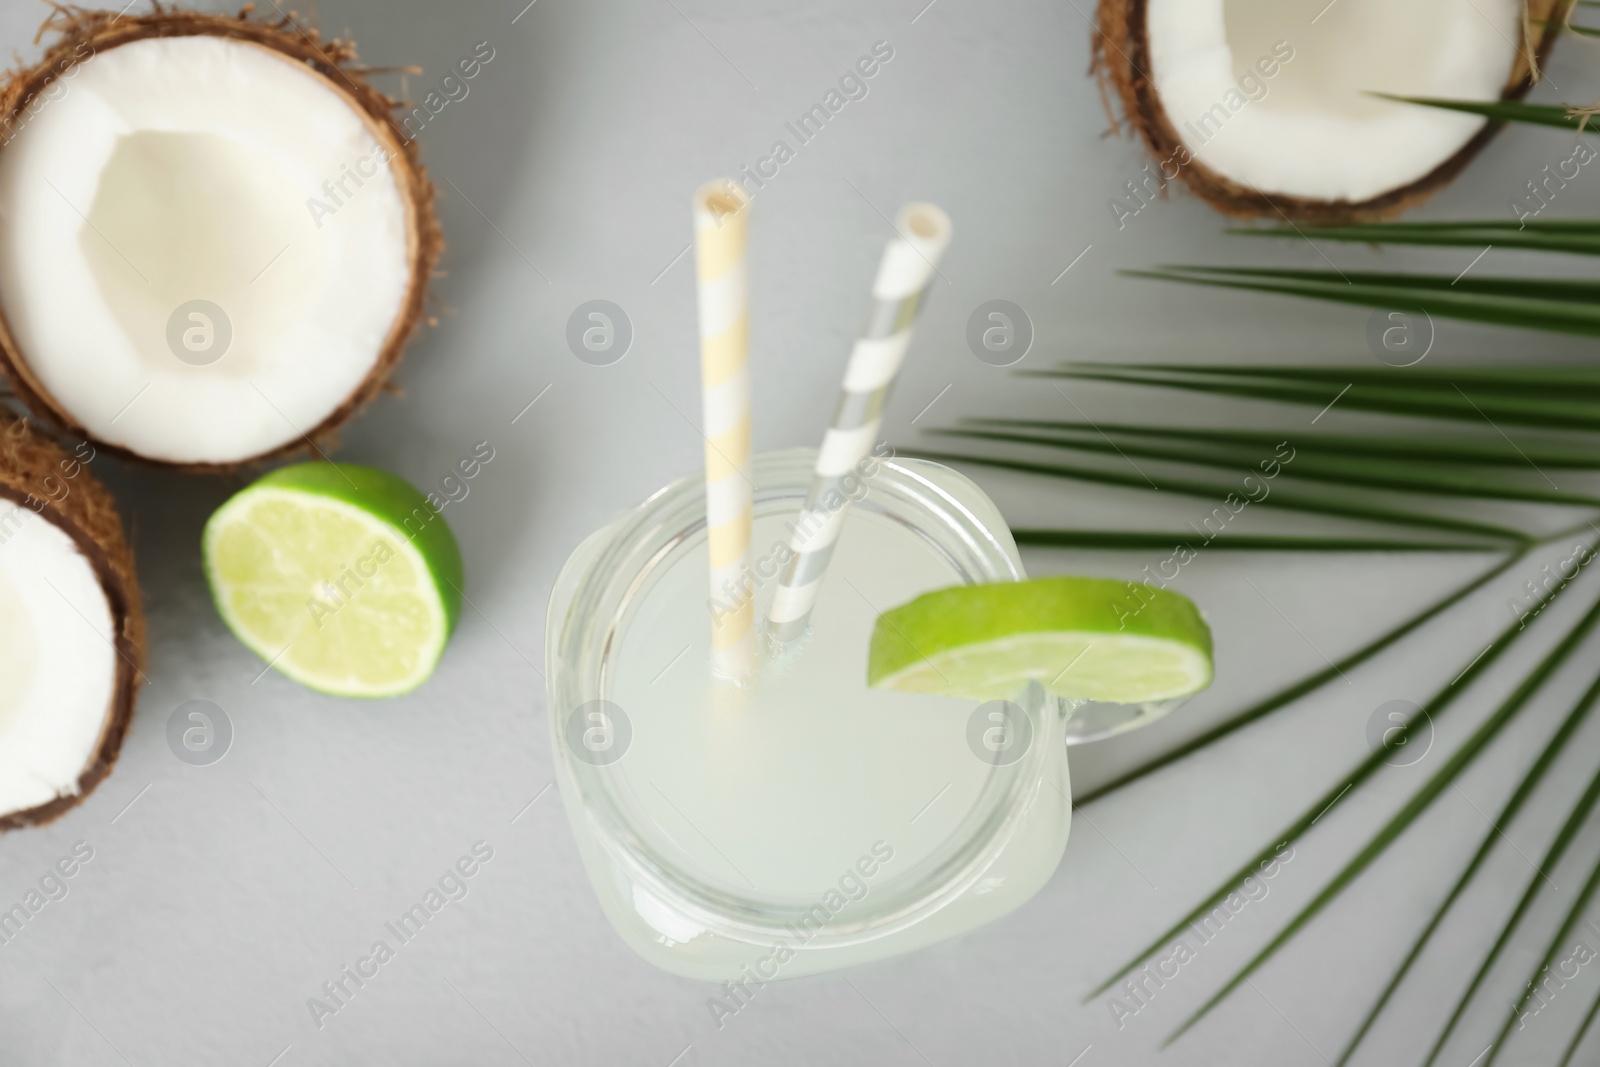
(71, 631)
(1267, 107)
(213, 241)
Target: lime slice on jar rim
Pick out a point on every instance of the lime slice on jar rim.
(1084, 639)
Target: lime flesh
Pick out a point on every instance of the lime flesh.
(340, 576)
(1080, 638)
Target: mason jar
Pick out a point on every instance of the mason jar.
(800, 822)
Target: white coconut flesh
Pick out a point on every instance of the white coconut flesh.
(177, 169)
(1313, 129)
(56, 658)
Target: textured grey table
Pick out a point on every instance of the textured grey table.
(220, 898)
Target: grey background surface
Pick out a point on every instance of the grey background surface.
(220, 898)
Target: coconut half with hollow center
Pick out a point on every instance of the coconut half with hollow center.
(1270, 107)
(213, 242)
(71, 631)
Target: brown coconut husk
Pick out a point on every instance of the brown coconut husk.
(38, 474)
(80, 34)
(1121, 56)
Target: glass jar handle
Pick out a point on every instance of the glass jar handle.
(1093, 720)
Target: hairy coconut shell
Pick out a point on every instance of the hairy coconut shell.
(80, 34)
(39, 475)
(1121, 53)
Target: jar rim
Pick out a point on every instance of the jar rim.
(938, 503)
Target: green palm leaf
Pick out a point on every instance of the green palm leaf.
(1556, 306)
(1457, 405)
(1580, 237)
(1291, 693)
(1571, 920)
(1577, 1038)
(1554, 399)
(1131, 540)
(1505, 111)
(1369, 474)
(1549, 383)
(1217, 492)
(1562, 398)
(1530, 781)
(1552, 856)
(1499, 453)
(1419, 802)
(1435, 707)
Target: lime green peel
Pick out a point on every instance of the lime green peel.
(340, 576)
(1080, 638)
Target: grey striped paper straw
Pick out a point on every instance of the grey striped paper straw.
(904, 275)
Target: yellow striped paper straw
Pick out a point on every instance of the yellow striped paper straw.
(721, 225)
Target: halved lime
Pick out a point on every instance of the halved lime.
(343, 577)
(1081, 638)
